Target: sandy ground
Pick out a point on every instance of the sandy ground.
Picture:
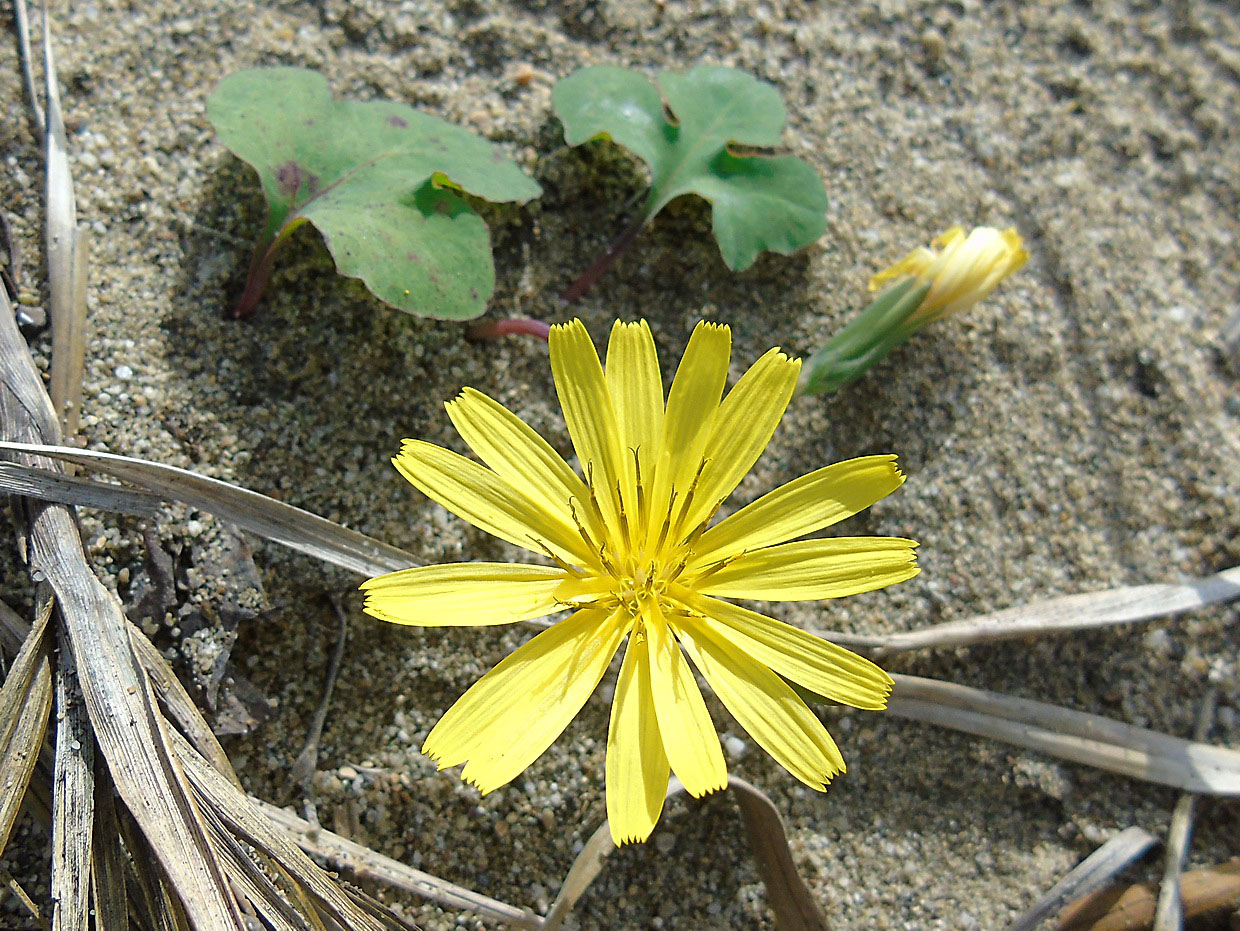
(1076, 432)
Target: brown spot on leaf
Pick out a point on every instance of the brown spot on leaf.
(292, 178)
(413, 257)
(398, 121)
(289, 177)
(473, 294)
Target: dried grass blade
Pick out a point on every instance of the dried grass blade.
(274, 520)
(1131, 908)
(367, 865)
(1094, 872)
(155, 903)
(22, 22)
(787, 894)
(25, 704)
(73, 804)
(117, 696)
(1071, 735)
(107, 875)
(585, 869)
(180, 707)
(257, 886)
(1169, 916)
(247, 822)
(15, 888)
(13, 630)
(1073, 612)
(56, 486)
(65, 281)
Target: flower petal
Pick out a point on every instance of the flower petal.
(464, 594)
(819, 665)
(691, 406)
(636, 386)
(637, 767)
(476, 494)
(767, 708)
(588, 413)
(741, 429)
(689, 737)
(517, 454)
(811, 502)
(809, 570)
(513, 713)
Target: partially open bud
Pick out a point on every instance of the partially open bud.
(952, 275)
(961, 270)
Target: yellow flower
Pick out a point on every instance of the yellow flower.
(633, 553)
(963, 270)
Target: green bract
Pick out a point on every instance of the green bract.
(377, 179)
(759, 202)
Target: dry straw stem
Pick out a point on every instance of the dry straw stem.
(365, 864)
(1131, 908)
(56, 486)
(1070, 613)
(25, 704)
(1092, 873)
(66, 257)
(794, 908)
(273, 520)
(73, 802)
(1169, 916)
(1070, 735)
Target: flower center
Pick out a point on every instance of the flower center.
(640, 585)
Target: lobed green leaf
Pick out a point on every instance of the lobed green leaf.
(759, 203)
(380, 182)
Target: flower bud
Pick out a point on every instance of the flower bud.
(952, 275)
(961, 270)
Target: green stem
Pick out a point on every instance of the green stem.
(865, 340)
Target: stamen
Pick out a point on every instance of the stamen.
(581, 527)
(715, 567)
(571, 570)
(594, 505)
(624, 520)
(641, 491)
(700, 528)
(680, 564)
(606, 561)
(667, 524)
(688, 502)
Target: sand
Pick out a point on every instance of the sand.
(1077, 431)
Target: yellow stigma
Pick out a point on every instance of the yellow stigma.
(961, 270)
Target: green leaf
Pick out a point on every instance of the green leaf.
(758, 203)
(377, 179)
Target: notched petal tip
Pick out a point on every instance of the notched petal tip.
(703, 791)
(635, 837)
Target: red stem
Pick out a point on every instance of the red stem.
(574, 291)
(256, 278)
(494, 329)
